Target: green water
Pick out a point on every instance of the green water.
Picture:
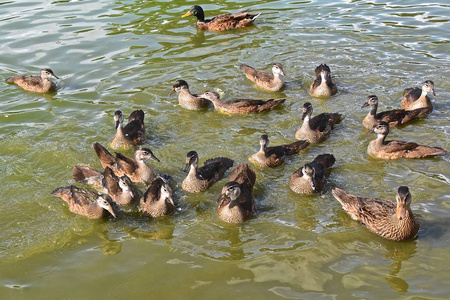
(126, 55)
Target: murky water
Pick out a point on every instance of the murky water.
(126, 55)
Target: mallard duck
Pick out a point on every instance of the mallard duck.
(157, 200)
(241, 106)
(236, 202)
(84, 202)
(132, 134)
(275, 156)
(318, 128)
(381, 216)
(186, 99)
(311, 178)
(323, 85)
(120, 189)
(395, 117)
(39, 84)
(414, 98)
(265, 80)
(381, 148)
(200, 179)
(136, 169)
(221, 22)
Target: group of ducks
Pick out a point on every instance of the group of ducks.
(236, 203)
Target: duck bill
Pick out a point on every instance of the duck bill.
(365, 104)
(170, 200)
(371, 130)
(186, 167)
(111, 211)
(171, 92)
(117, 124)
(432, 91)
(221, 197)
(189, 13)
(305, 113)
(282, 73)
(153, 157)
(401, 212)
(53, 75)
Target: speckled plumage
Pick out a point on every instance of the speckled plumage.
(265, 80)
(311, 178)
(241, 106)
(395, 117)
(236, 202)
(390, 220)
(318, 128)
(275, 156)
(220, 22)
(39, 84)
(381, 148)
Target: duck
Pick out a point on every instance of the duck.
(200, 179)
(312, 177)
(241, 106)
(136, 169)
(275, 156)
(186, 99)
(323, 85)
(414, 98)
(132, 134)
(395, 117)
(157, 201)
(265, 80)
(316, 129)
(221, 22)
(236, 202)
(38, 84)
(390, 220)
(383, 149)
(120, 189)
(84, 202)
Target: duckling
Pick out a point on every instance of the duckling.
(200, 179)
(132, 134)
(241, 106)
(39, 84)
(236, 202)
(396, 149)
(381, 216)
(311, 178)
(395, 117)
(414, 98)
(186, 99)
(157, 200)
(120, 189)
(84, 202)
(221, 22)
(318, 128)
(323, 85)
(136, 169)
(275, 156)
(265, 80)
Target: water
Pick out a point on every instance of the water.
(126, 55)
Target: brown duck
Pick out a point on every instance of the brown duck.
(84, 202)
(265, 80)
(312, 177)
(221, 22)
(414, 98)
(381, 148)
(395, 117)
(323, 85)
(132, 134)
(318, 128)
(275, 156)
(241, 106)
(390, 220)
(120, 189)
(186, 99)
(39, 84)
(200, 179)
(136, 169)
(236, 202)
(157, 200)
